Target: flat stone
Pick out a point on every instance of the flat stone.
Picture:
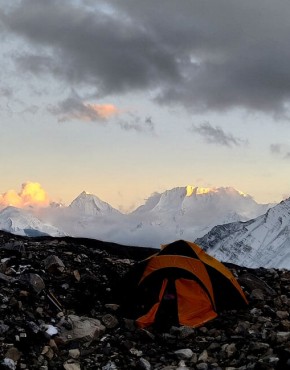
(83, 329)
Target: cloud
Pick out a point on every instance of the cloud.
(138, 124)
(32, 109)
(31, 194)
(275, 148)
(6, 92)
(73, 108)
(81, 46)
(215, 135)
(37, 64)
(202, 55)
(280, 149)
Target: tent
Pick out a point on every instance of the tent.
(179, 285)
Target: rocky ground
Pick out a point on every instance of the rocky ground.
(58, 310)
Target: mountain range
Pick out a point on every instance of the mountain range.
(263, 241)
(229, 224)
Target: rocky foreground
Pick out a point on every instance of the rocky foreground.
(59, 310)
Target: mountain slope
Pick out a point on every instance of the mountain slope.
(263, 241)
(214, 201)
(190, 212)
(91, 205)
(21, 222)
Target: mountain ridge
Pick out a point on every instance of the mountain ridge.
(21, 222)
(188, 213)
(263, 241)
(91, 205)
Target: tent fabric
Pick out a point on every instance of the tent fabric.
(149, 318)
(182, 285)
(194, 306)
(181, 262)
(210, 261)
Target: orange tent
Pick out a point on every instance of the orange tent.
(180, 285)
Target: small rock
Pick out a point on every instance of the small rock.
(13, 353)
(110, 321)
(34, 281)
(181, 366)
(184, 354)
(282, 314)
(183, 331)
(83, 328)
(72, 365)
(282, 336)
(136, 352)
(77, 275)
(230, 349)
(112, 306)
(53, 264)
(143, 364)
(203, 356)
(74, 353)
(10, 364)
(257, 294)
(110, 366)
(48, 352)
(3, 327)
(202, 366)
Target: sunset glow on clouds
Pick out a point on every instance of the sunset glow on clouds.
(31, 194)
(126, 99)
(73, 108)
(103, 110)
(94, 112)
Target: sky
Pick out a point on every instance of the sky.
(126, 98)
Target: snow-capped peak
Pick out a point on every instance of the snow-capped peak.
(263, 241)
(22, 222)
(187, 212)
(191, 199)
(91, 205)
(190, 189)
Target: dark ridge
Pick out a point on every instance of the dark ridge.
(119, 250)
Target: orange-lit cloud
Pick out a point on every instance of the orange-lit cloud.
(74, 108)
(94, 112)
(31, 194)
(103, 110)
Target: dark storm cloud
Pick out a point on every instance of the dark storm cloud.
(111, 53)
(215, 135)
(204, 55)
(38, 64)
